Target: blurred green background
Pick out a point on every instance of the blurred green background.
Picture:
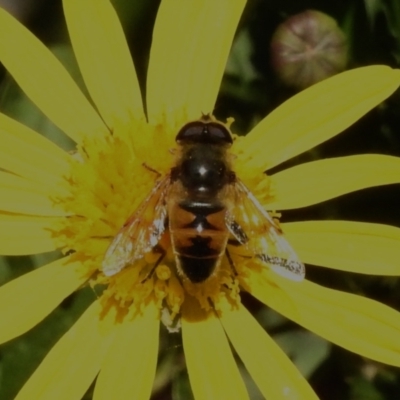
(251, 88)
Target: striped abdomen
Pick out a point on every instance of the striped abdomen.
(199, 237)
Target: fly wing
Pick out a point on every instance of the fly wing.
(141, 232)
(256, 234)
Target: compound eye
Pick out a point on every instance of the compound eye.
(218, 133)
(200, 132)
(191, 132)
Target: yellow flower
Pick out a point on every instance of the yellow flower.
(77, 202)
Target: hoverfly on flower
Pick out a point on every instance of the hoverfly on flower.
(204, 211)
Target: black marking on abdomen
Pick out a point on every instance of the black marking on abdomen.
(200, 222)
(198, 269)
(198, 261)
(199, 248)
(202, 208)
(200, 212)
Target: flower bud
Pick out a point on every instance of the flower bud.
(308, 48)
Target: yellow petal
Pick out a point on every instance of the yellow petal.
(129, 367)
(264, 288)
(259, 352)
(26, 153)
(18, 195)
(104, 59)
(345, 245)
(358, 324)
(315, 115)
(21, 235)
(72, 364)
(45, 81)
(191, 42)
(26, 300)
(212, 370)
(317, 181)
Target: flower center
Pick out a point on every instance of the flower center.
(111, 176)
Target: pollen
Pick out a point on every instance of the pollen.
(106, 184)
(163, 272)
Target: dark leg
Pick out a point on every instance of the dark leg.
(151, 169)
(162, 252)
(231, 263)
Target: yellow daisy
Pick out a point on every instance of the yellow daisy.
(78, 202)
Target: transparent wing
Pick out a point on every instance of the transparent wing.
(140, 233)
(255, 232)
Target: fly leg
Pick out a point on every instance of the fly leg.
(160, 250)
(236, 243)
(151, 169)
(231, 263)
